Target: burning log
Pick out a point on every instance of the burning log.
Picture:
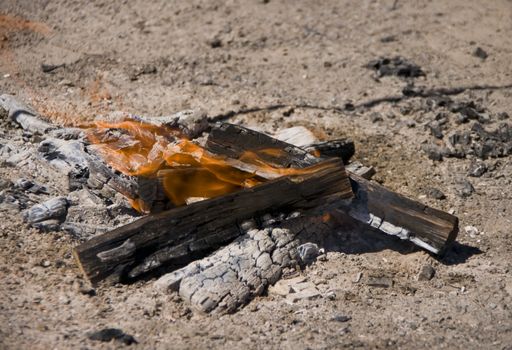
(155, 240)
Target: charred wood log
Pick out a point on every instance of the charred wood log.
(373, 204)
(150, 242)
(23, 115)
(242, 270)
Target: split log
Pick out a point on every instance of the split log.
(373, 204)
(148, 243)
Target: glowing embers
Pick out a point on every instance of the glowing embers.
(186, 170)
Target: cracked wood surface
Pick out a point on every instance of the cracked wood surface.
(391, 213)
(158, 239)
(235, 274)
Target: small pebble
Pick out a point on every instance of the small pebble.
(108, 334)
(464, 188)
(477, 169)
(215, 43)
(472, 231)
(434, 193)
(376, 117)
(480, 53)
(426, 273)
(341, 318)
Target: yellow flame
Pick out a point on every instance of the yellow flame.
(185, 169)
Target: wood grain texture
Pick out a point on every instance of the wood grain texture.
(152, 241)
(391, 213)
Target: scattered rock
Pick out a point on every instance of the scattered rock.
(435, 193)
(306, 294)
(47, 68)
(433, 151)
(349, 106)
(379, 281)
(143, 70)
(29, 186)
(341, 318)
(108, 334)
(281, 288)
(215, 43)
(388, 39)
(481, 142)
(435, 130)
(426, 273)
(502, 116)
(376, 117)
(46, 226)
(308, 252)
(472, 231)
(397, 66)
(464, 188)
(86, 289)
(299, 287)
(66, 82)
(477, 169)
(358, 277)
(480, 53)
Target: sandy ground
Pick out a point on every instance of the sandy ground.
(161, 57)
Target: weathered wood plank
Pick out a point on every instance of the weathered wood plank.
(396, 215)
(373, 204)
(157, 239)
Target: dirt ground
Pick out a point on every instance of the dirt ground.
(160, 57)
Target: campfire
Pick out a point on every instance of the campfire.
(222, 217)
(186, 170)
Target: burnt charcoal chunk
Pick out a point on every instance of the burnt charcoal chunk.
(396, 66)
(483, 143)
(376, 117)
(77, 177)
(435, 129)
(426, 273)
(30, 186)
(108, 334)
(55, 208)
(341, 318)
(434, 152)
(48, 68)
(480, 53)
(503, 116)
(464, 188)
(435, 193)
(215, 43)
(340, 148)
(477, 169)
(388, 39)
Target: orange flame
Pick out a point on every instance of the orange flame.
(185, 169)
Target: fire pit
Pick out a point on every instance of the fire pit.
(224, 216)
